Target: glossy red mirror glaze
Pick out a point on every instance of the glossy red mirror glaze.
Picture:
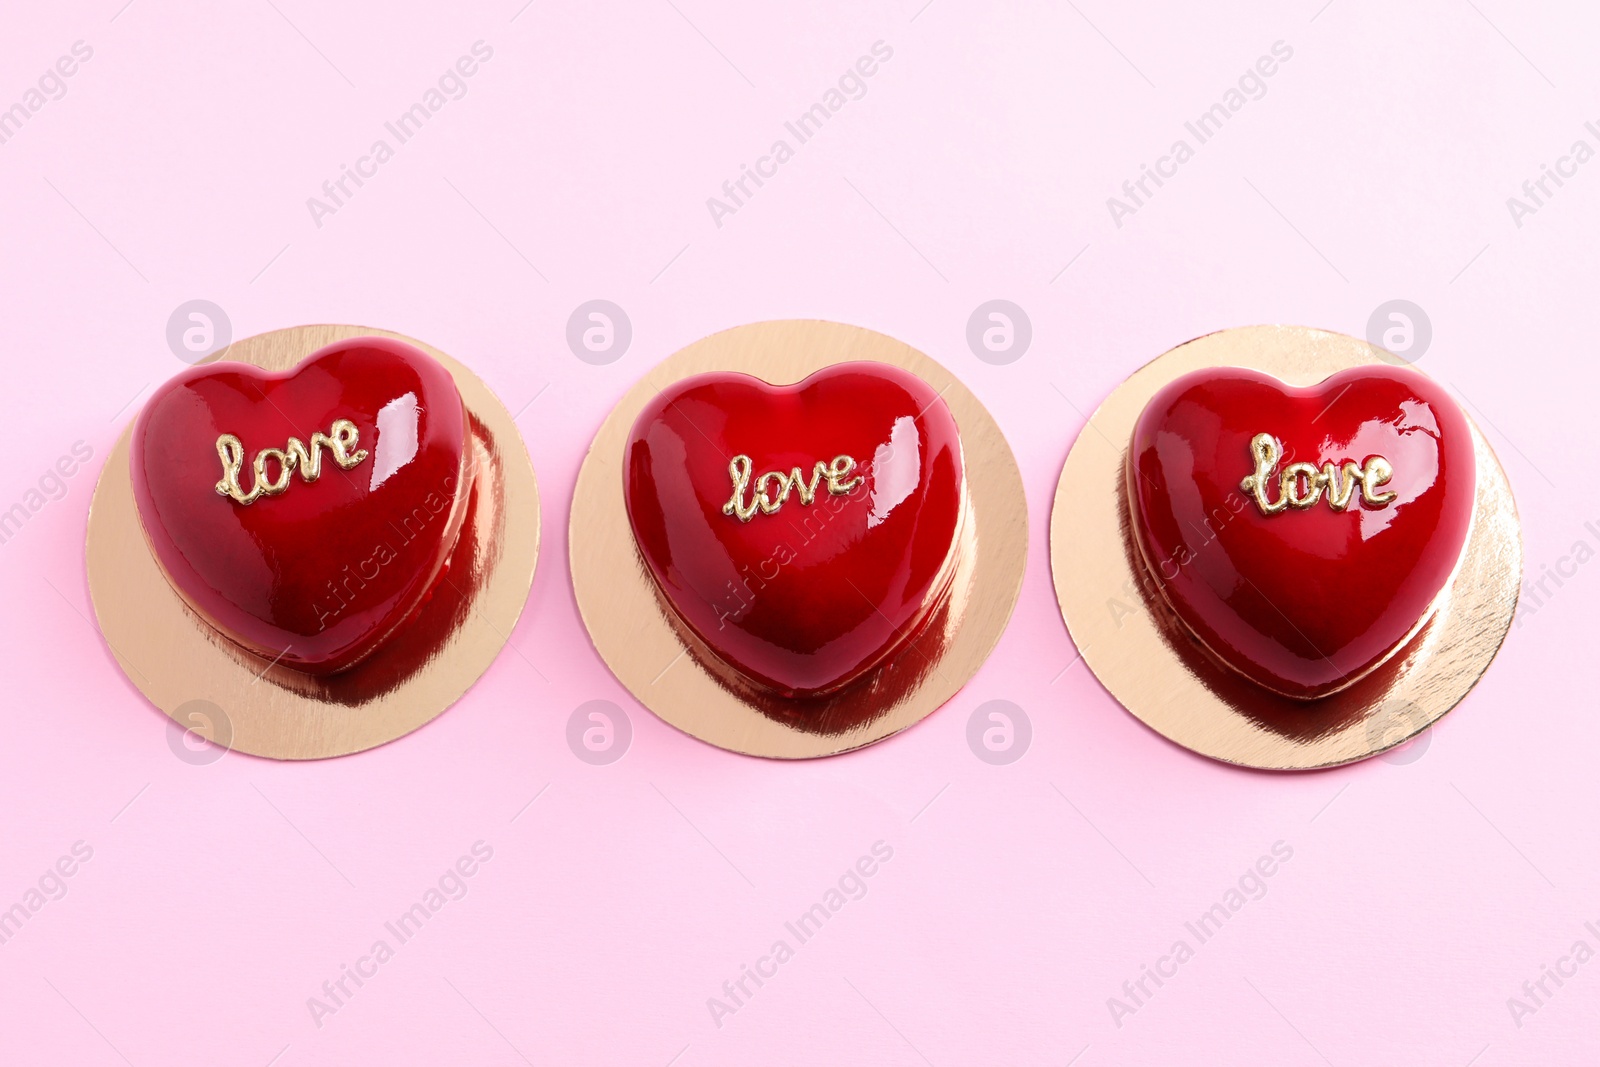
(1306, 599)
(320, 571)
(808, 596)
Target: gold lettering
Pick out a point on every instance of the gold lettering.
(1375, 473)
(1301, 485)
(768, 492)
(296, 455)
(1341, 482)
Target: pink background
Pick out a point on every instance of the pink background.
(1423, 890)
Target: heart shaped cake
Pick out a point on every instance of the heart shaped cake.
(803, 532)
(305, 515)
(1303, 535)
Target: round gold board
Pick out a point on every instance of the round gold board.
(1148, 661)
(213, 687)
(668, 671)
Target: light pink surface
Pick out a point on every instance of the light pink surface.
(1422, 892)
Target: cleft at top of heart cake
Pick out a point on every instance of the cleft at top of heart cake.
(1303, 535)
(803, 533)
(305, 514)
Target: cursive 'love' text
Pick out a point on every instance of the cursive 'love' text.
(1301, 485)
(340, 440)
(767, 493)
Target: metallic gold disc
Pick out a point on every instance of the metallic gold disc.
(676, 677)
(210, 685)
(1148, 661)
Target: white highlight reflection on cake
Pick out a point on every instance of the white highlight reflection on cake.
(397, 438)
(896, 466)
